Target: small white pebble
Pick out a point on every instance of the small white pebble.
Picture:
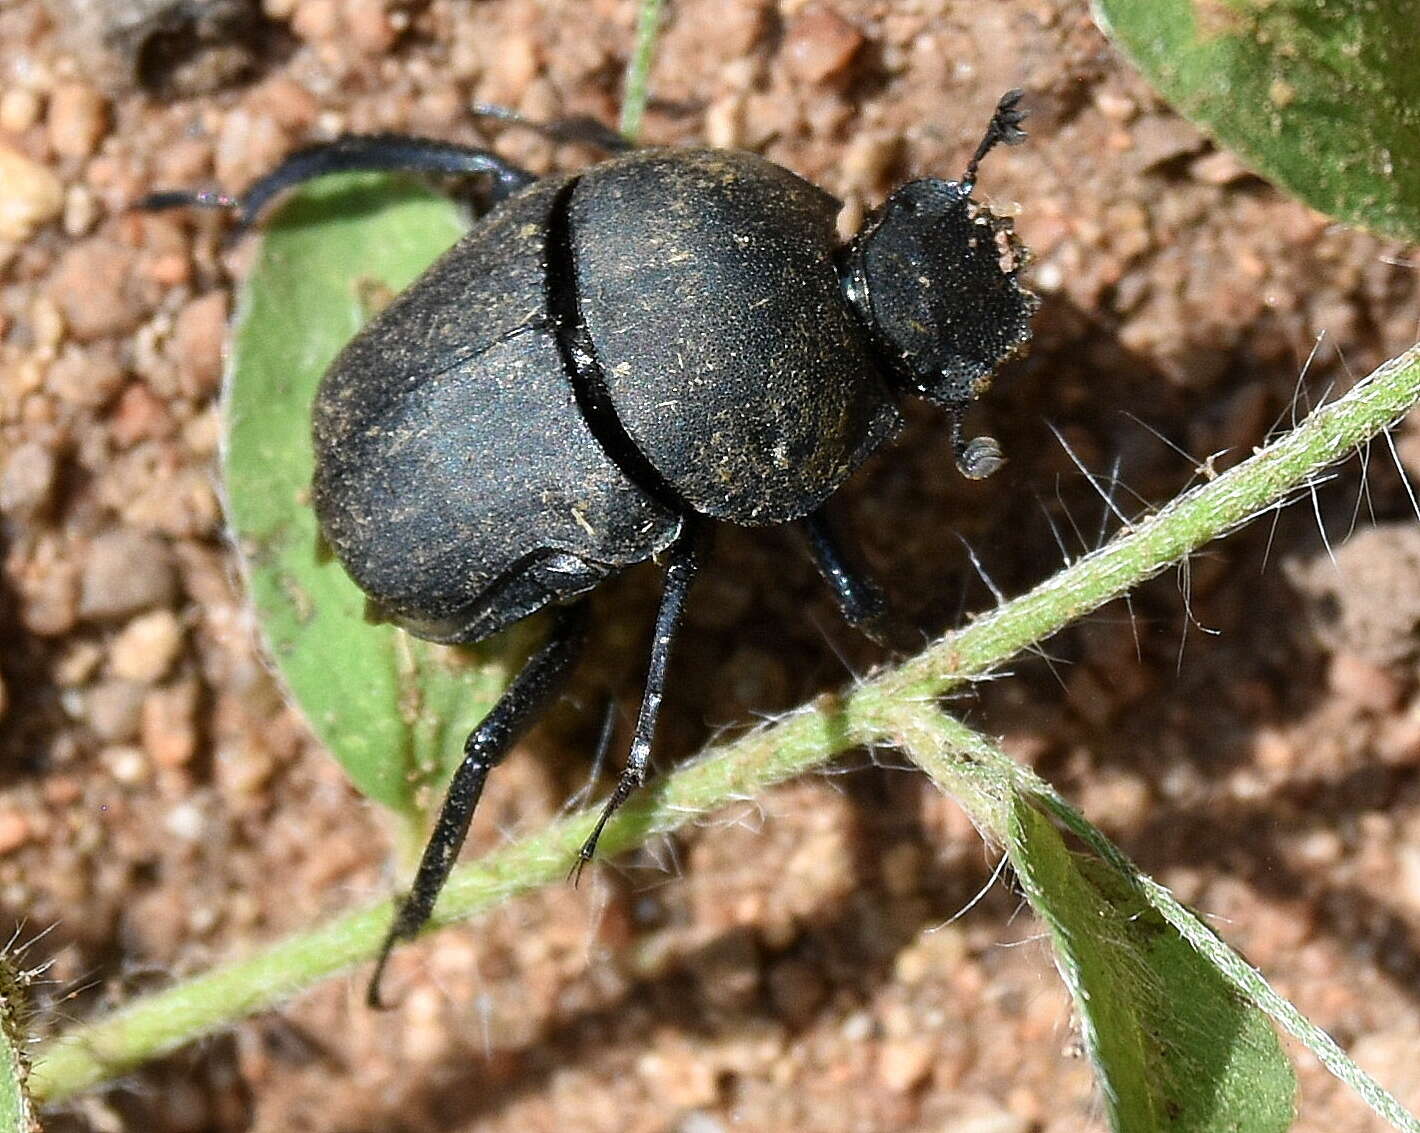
(146, 647)
(81, 211)
(857, 1027)
(1048, 277)
(186, 821)
(30, 196)
(47, 325)
(127, 764)
(19, 110)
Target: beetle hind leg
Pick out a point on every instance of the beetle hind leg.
(539, 681)
(351, 153)
(686, 555)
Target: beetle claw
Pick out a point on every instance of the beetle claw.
(373, 1000)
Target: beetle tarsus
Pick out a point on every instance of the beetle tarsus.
(578, 128)
(183, 198)
(1003, 129)
(539, 681)
(686, 555)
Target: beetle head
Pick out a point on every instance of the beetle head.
(934, 275)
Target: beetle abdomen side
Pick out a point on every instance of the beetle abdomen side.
(706, 283)
(456, 478)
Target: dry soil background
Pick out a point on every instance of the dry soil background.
(1249, 730)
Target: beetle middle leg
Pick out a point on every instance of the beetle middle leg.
(533, 689)
(686, 555)
(860, 599)
(393, 153)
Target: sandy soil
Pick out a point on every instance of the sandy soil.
(1249, 729)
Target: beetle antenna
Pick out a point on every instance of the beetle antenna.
(1003, 129)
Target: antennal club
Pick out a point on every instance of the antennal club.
(1004, 129)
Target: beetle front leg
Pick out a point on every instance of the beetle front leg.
(387, 153)
(686, 555)
(539, 681)
(860, 599)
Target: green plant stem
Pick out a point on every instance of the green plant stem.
(980, 776)
(638, 71)
(163, 1021)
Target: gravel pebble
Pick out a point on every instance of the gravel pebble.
(1218, 168)
(20, 109)
(316, 20)
(15, 831)
(867, 159)
(819, 44)
(904, 1064)
(371, 29)
(998, 1121)
(127, 764)
(146, 647)
(30, 195)
(681, 1077)
(248, 146)
(27, 481)
(77, 119)
(126, 572)
(113, 709)
(198, 335)
(1157, 139)
(95, 288)
(1366, 601)
(48, 584)
(139, 415)
(81, 211)
(168, 726)
(84, 379)
(1366, 685)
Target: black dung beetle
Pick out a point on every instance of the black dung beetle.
(610, 359)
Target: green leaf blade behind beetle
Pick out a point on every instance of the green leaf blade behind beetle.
(1320, 96)
(393, 710)
(1175, 1047)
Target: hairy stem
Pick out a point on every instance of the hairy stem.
(16, 1114)
(161, 1022)
(1149, 546)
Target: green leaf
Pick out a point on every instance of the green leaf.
(1320, 96)
(393, 710)
(1174, 1045)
